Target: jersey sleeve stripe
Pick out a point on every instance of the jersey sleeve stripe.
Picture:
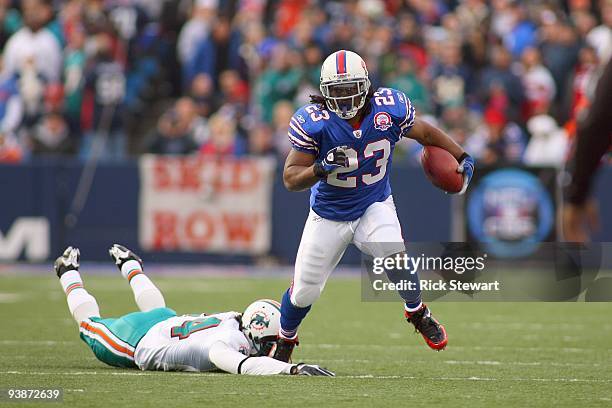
(409, 112)
(295, 136)
(297, 123)
(301, 144)
(298, 129)
(407, 123)
(299, 141)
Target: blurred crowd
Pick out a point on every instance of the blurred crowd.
(118, 78)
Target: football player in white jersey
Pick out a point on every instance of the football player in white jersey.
(155, 338)
(342, 147)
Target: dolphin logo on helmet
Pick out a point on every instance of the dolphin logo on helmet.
(260, 324)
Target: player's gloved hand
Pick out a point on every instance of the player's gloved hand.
(466, 167)
(310, 370)
(334, 159)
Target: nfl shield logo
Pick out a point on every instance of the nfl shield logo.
(357, 133)
(382, 121)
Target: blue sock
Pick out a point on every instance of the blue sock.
(411, 297)
(291, 316)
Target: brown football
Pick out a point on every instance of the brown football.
(441, 169)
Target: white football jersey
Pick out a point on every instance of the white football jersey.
(182, 343)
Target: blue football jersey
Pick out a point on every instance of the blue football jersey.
(346, 193)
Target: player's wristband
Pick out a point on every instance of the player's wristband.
(319, 170)
(240, 365)
(463, 157)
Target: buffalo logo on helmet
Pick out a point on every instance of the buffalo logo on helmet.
(259, 321)
(382, 121)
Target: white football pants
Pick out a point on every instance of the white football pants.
(376, 233)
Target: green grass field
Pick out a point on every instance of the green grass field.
(499, 354)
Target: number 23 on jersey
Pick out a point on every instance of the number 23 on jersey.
(338, 179)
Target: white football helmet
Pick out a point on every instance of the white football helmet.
(344, 83)
(260, 324)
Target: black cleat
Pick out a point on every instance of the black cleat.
(284, 349)
(121, 255)
(311, 370)
(431, 330)
(69, 261)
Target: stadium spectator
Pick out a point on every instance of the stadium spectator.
(539, 84)
(74, 67)
(34, 43)
(499, 75)
(224, 139)
(548, 143)
(279, 82)
(261, 141)
(10, 21)
(523, 32)
(10, 150)
(202, 93)
(234, 90)
(450, 78)
(52, 137)
(32, 90)
(282, 113)
(173, 136)
(406, 80)
(217, 53)
(11, 105)
(560, 47)
(197, 29)
(105, 80)
(498, 141)
(584, 77)
(600, 37)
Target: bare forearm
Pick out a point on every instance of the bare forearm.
(429, 135)
(299, 178)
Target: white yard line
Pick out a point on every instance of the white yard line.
(404, 377)
(37, 343)
(11, 297)
(126, 373)
(374, 377)
(456, 348)
(473, 362)
(521, 363)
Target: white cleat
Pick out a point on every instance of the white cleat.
(121, 255)
(69, 261)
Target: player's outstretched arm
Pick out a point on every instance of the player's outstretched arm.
(229, 360)
(429, 135)
(299, 173)
(232, 361)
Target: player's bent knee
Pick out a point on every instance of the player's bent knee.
(150, 299)
(305, 295)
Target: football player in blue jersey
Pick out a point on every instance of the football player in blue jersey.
(342, 149)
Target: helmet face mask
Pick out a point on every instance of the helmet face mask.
(344, 83)
(345, 98)
(262, 346)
